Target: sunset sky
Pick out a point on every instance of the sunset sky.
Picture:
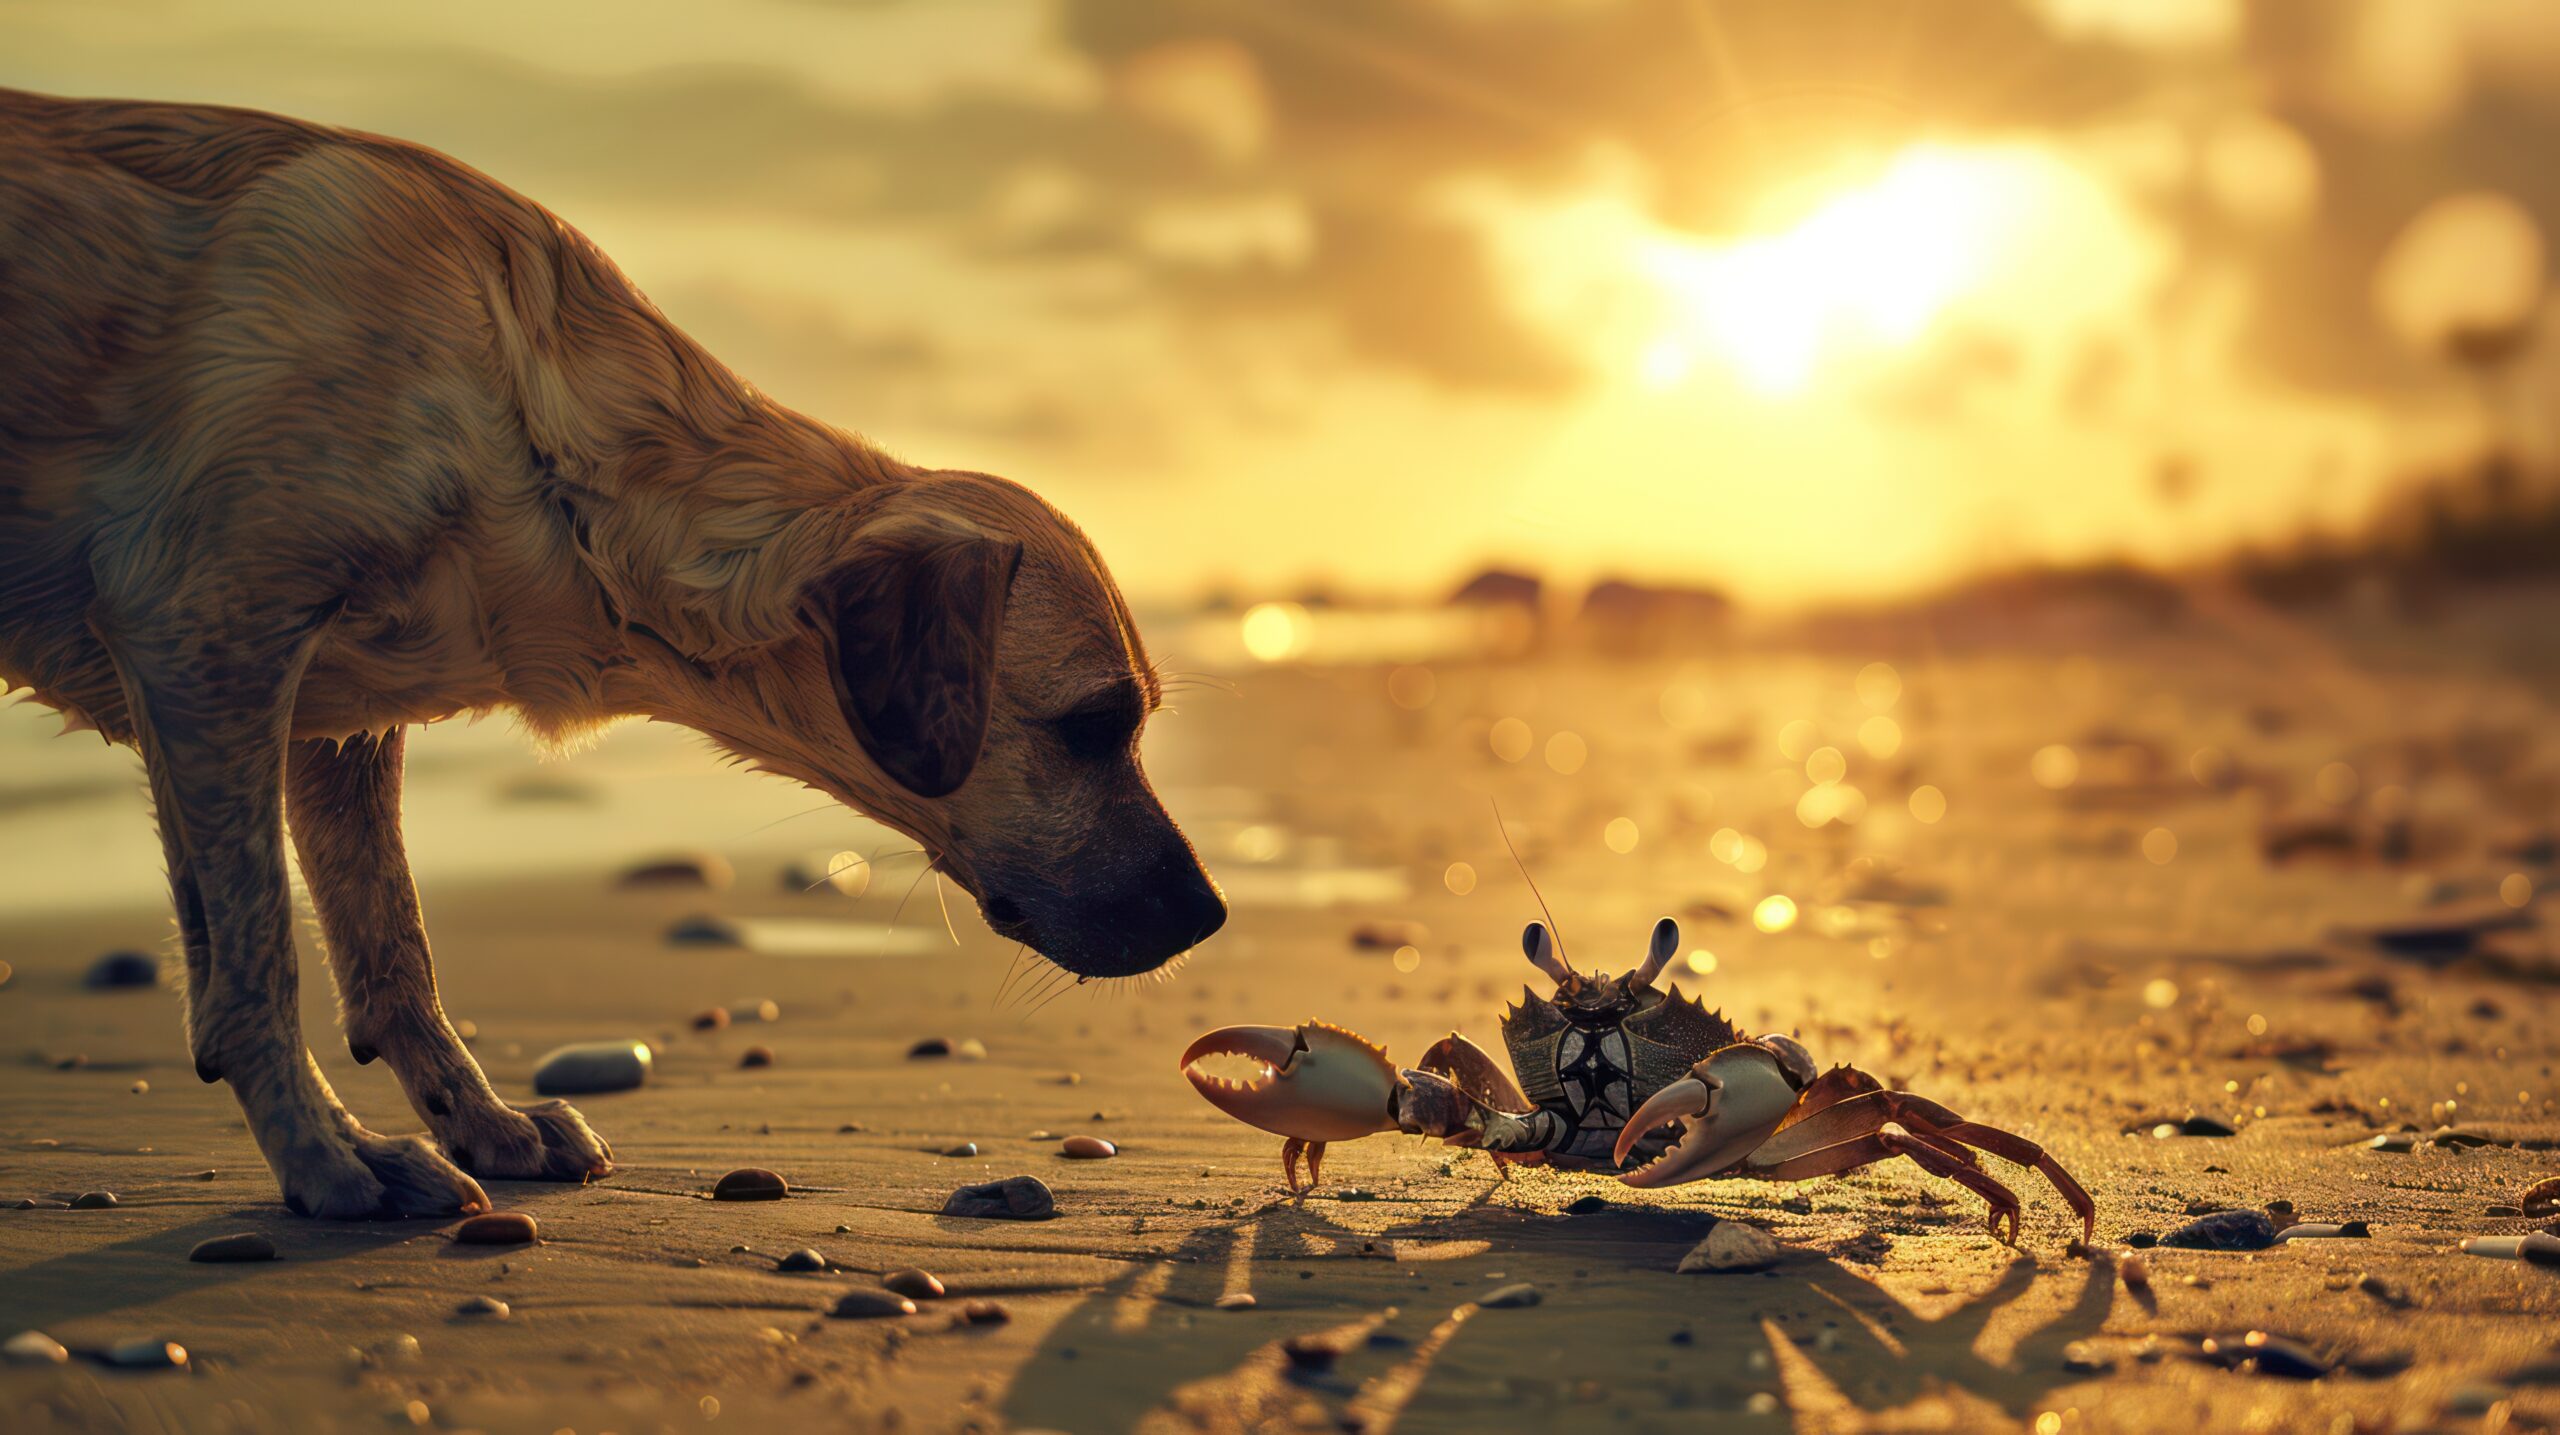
(1805, 299)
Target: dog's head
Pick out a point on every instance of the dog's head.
(948, 654)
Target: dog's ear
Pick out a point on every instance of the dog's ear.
(917, 605)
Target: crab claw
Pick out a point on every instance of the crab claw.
(1725, 1108)
(1318, 1082)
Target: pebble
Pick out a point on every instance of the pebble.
(913, 1283)
(1310, 1354)
(1087, 1148)
(41, 1203)
(2542, 1248)
(2262, 1354)
(225, 1250)
(2224, 1231)
(756, 1009)
(965, 1148)
(593, 1067)
(864, 1304)
(486, 1307)
(2081, 1358)
(33, 1347)
(929, 1047)
(147, 1354)
(1237, 1300)
(755, 1056)
(93, 1200)
(969, 1048)
(803, 1259)
(704, 930)
(985, 1312)
(2496, 1248)
(2143, 1240)
(1015, 1198)
(498, 1228)
(1732, 1247)
(711, 1018)
(2136, 1270)
(751, 1183)
(1511, 1297)
(693, 871)
(121, 971)
(2399, 1142)
(2326, 1230)
(1586, 1205)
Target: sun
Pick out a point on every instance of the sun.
(1870, 266)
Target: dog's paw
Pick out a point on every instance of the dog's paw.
(546, 1141)
(416, 1179)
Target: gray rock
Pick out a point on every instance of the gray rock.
(913, 1283)
(862, 1304)
(483, 1307)
(693, 871)
(122, 971)
(93, 1201)
(2326, 1230)
(33, 1347)
(751, 1183)
(803, 1259)
(591, 1067)
(1511, 1297)
(1732, 1247)
(2541, 1248)
(2224, 1231)
(1015, 1198)
(704, 930)
(147, 1354)
(225, 1250)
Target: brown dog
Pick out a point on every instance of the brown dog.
(306, 436)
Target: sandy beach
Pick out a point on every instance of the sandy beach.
(2036, 958)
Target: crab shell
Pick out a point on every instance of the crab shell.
(1318, 1082)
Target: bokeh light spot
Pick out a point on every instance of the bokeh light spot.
(2160, 993)
(1825, 765)
(1412, 687)
(1776, 913)
(1511, 739)
(1879, 686)
(2336, 784)
(1567, 752)
(1702, 961)
(1881, 736)
(1408, 958)
(1460, 879)
(2054, 767)
(1621, 836)
(1275, 632)
(2515, 889)
(2160, 845)
(1797, 740)
(1928, 804)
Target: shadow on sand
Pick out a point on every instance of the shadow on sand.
(1615, 1339)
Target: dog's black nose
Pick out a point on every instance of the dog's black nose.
(1161, 910)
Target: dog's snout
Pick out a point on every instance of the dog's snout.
(1169, 907)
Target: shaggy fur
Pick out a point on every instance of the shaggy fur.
(308, 436)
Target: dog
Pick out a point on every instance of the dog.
(309, 436)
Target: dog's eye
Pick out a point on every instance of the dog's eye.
(1104, 726)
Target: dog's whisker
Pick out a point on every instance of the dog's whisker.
(901, 911)
(942, 898)
(794, 817)
(1053, 996)
(1012, 969)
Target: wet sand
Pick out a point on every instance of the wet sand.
(2023, 961)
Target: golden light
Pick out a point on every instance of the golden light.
(1879, 686)
(1871, 265)
(1408, 958)
(1928, 804)
(2054, 767)
(1824, 766)
(2336, 784)
(1275, 632)
(2160, 845)
(1621, 835)
(2515, 889)
(1412, 688)
(1460, 879)
(1881, 736)
(1566, 752)
(1776, 913)
(1510, 739)
(1702, 961)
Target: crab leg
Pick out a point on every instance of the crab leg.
(1847, 1122)
(1884, 1146)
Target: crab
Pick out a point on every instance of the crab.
(1614, 1075)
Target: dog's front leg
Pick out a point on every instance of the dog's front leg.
(343, 800)
(210, 693)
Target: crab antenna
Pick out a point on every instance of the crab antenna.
(1666, 940)
(1553, 927)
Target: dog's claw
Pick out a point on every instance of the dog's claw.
(1318, 1083)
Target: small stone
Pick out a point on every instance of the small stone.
(41, 1203)
(2325, 1230)
(1732, 1247)
(756, 1009)
(1015, 1198)
(121, 971)
(226, 1250)
(913, 1283)
(751, 1183)
(2081, 1358)
(969, 1049)
(2398, 1142)
(985, 1312)
(140, 1088)
(498, 1228)
(147, 1354)
(864, 1304)
(205, 1175)
(1237, 1300)
(803, 1259)
(33, 1347)
(2224, 1231)
(2541, 1248)
(93, 1201)
(2496, 1248)
(929, 1047)
(692, 871)
(2135, 1268)
(711, 1019)
(850, 1128)
(1310, 1354)
(2262, 1354)
(704, 930)
(1087, 1148)
(2143, 1240)
(2385, 1291)
(965, 1148)
(1587, 1205)
(592, 1067)
(483, 1307)
(1511, 1297)
(755, 1056)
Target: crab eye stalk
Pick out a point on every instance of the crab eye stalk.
(1666, 940)
(1540, 946)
